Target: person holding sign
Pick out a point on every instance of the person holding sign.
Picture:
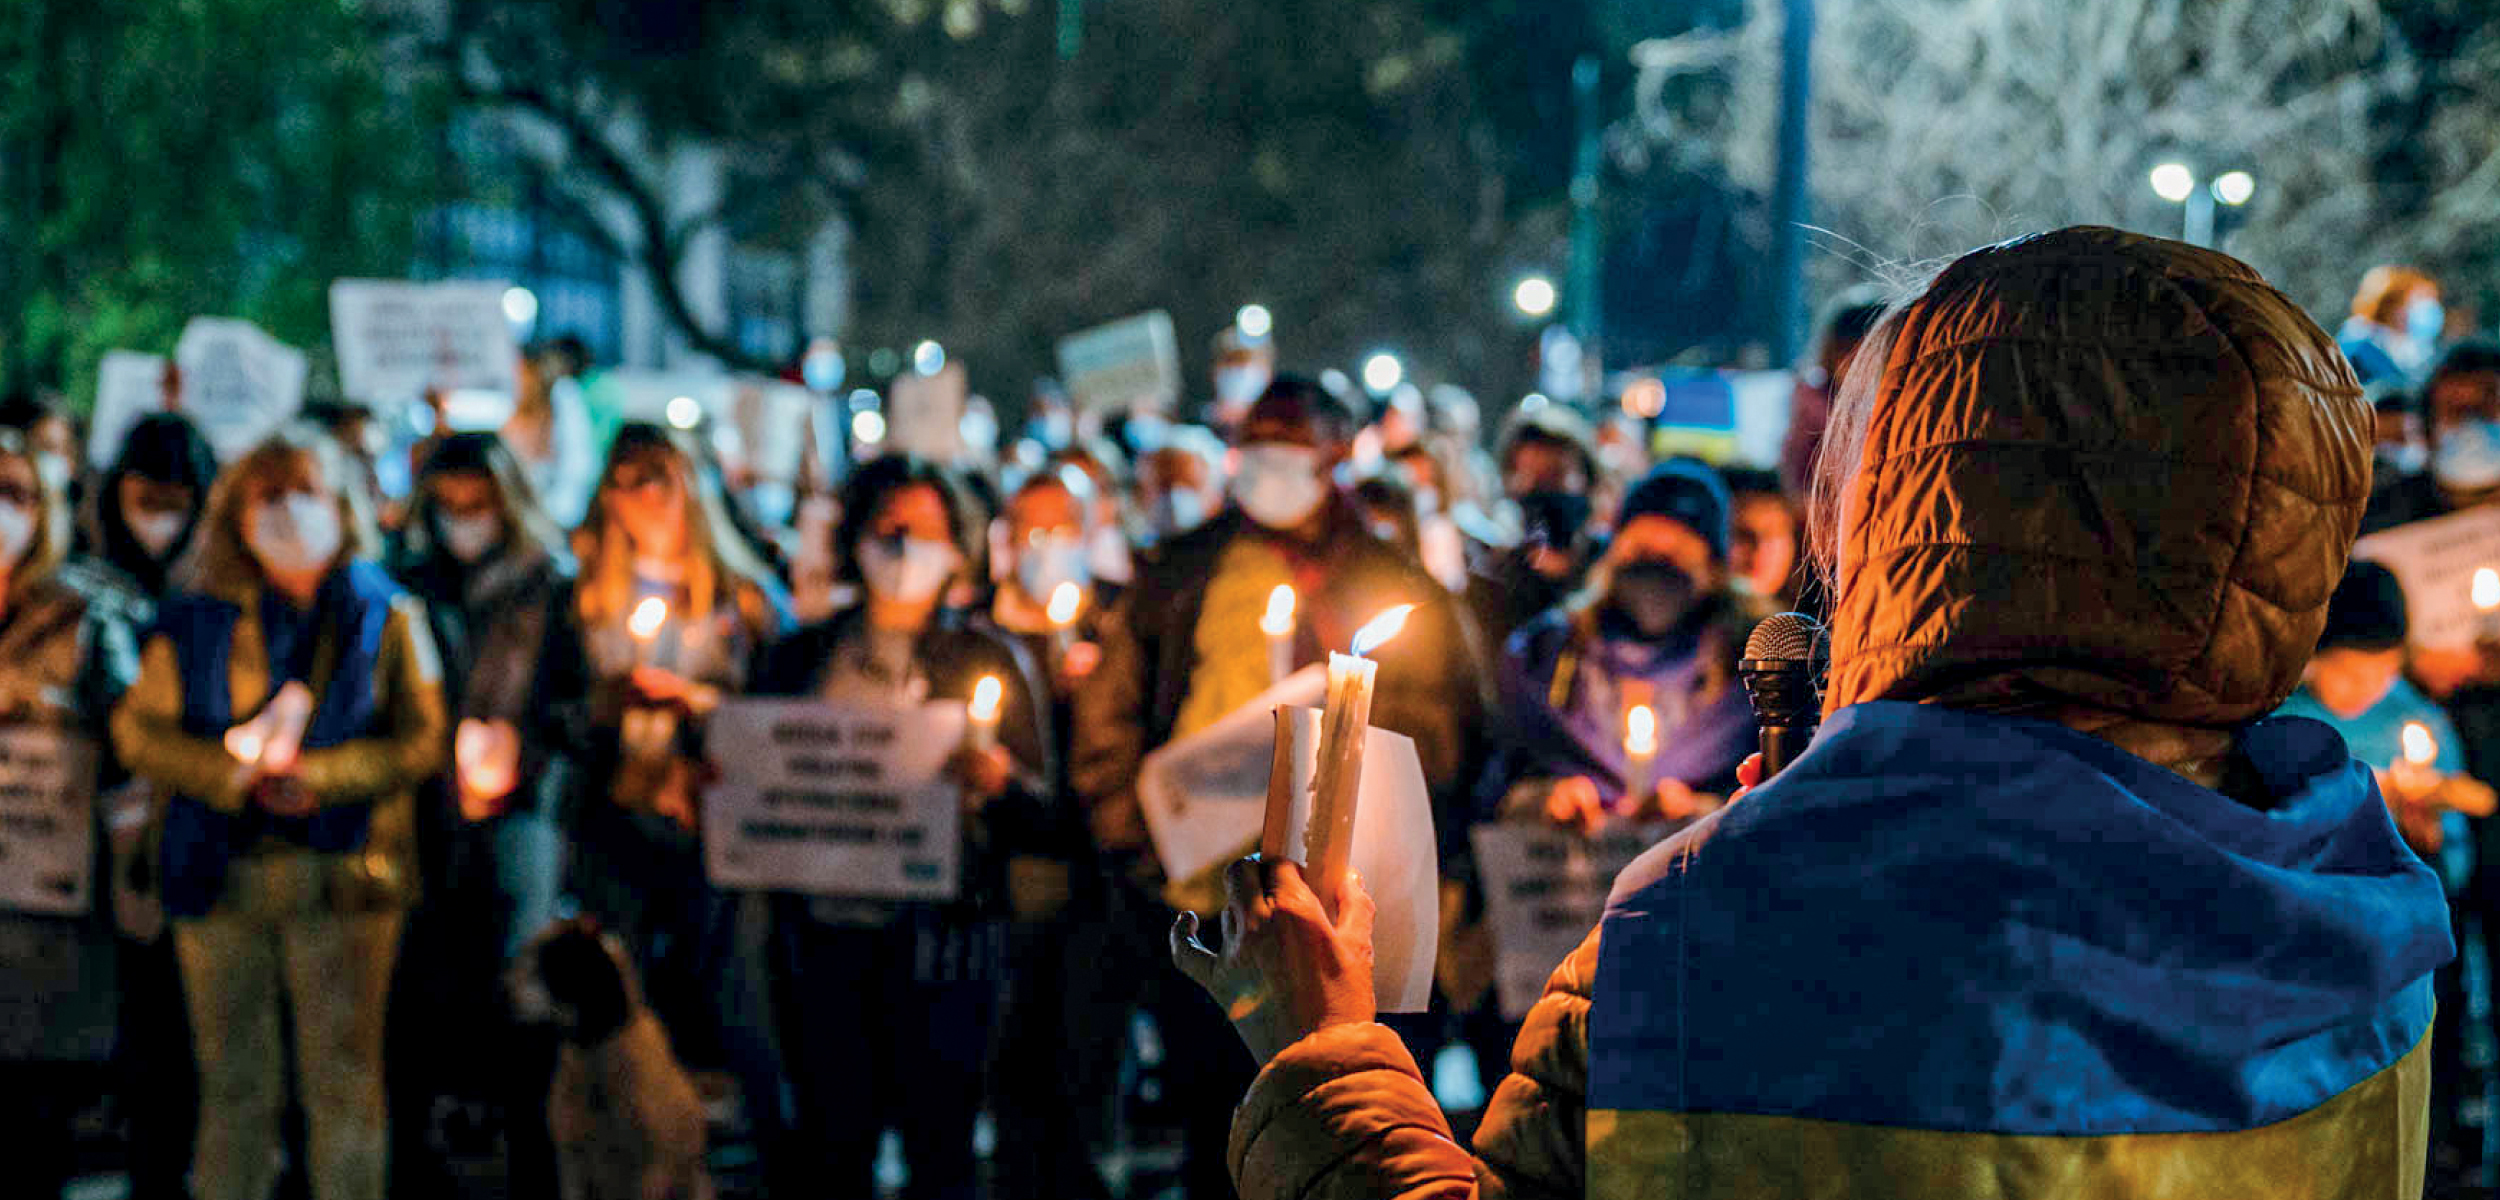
(1183, 649)
(498, 596)
(911, 986)
(672, 606)
(2052, 905)
(65, 657)
(288, 847)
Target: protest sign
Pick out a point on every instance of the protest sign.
(128, 385)
(47, 821)
(2435, 560)
(834, 800)
(1544, 890)
(1128, 364)
(396, 338)
(1205, 800)
(924, 414)
(771, 418)
(237, 382)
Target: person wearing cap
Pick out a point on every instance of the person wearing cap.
(1657, 626)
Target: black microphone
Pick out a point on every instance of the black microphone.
(1778, 669)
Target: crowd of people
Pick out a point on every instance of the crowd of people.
(372, 721)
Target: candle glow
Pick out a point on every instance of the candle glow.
(1279, 619)
(244, 743)
(1640, 731)
(2486, 589)
(1383, 627)
(985, 699)
(1063, 602)
(647, 618)
(2420, 748)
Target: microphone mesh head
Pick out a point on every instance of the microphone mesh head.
(1789, 636)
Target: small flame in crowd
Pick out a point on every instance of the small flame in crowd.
(2420, 749)
(1383, 627)
(1640, 731)
(1279, 619)
(985, 698)
(1063, 602)
(647, 619)
(2486, 589)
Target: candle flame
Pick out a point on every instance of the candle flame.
(647, 618)
(1279, 619)
(1063, 602)
(2486, 589)
(1383, 627)
(243, 744)
(2420, 749)
(1640, 731)
(985, 698)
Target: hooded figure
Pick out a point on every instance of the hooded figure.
(2049, 907)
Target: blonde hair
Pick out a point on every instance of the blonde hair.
(2384, 292)
(718, 560)
(219, 560)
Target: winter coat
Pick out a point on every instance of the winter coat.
(1955, 949)
(65, 657)
(511, 651)
(377, 731)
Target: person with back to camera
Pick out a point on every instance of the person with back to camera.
(2048, 908)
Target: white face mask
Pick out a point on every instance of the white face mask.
(294, 534)
(17, 532)
(2403, 458)
(1106, 555)
(156, 532)
(1279, 486)
(909, 573)
(54, 471)
(468, 539)
(1240, 385)
(1042, 566)
(2469, 456)
(1182, 510)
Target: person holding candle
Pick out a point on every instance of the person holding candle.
(1045, 528)
(659, 541)
(66, 654)
(287, 874)
(498, 594)
(1184, 648)
(1550, 469)
(886, 1008)
(2052, 905)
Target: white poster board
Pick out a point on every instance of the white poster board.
(2435, 560)
(238, 383)
(1134, 363)
(47, 821)
(834, 800)
(1205, 799)
(924, 414)
(128, 385)
(771, 418)
(396, 338)
(1544, 890)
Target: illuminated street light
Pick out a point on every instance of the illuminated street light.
(928, 358)
(2173, 181)
(868, 427)
(1254, 321)
(1382, 372)
(684, 413)
(520, 305)
(2234, 188)
(1534, 296)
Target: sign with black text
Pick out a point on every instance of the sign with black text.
(834, 800)
(396, 338)
(1126, 365)
(47, 821)
(238, 383)
(1544, 889)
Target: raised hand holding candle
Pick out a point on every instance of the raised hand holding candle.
(1277, 624)
(1344, 723)
(644, 625)
(1640, 750)
(981, 716)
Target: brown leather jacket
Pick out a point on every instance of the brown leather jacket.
(2104, 478)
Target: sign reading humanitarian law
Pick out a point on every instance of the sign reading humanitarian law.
(1544, 890)
(47, 821)
(238, 383)
(396, 338)
(2435, 560)
(128, 385)
(1205, 801)
(834, 800)
(1133, 363)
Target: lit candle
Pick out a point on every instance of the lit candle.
(644, 625)
(1064, 601)
(2420, 747)
(2487, 602)
(982, 714)
(1344, 723)
(1278, 626)
(1640, 749)
(488, 758)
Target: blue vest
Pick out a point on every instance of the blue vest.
(350, 613)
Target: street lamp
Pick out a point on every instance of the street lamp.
(1254, 321)
(1382, 372)
(520, 306)
(928, 358)
(1534, 296)
(2175, 183)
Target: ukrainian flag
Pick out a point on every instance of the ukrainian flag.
(1949, 954)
